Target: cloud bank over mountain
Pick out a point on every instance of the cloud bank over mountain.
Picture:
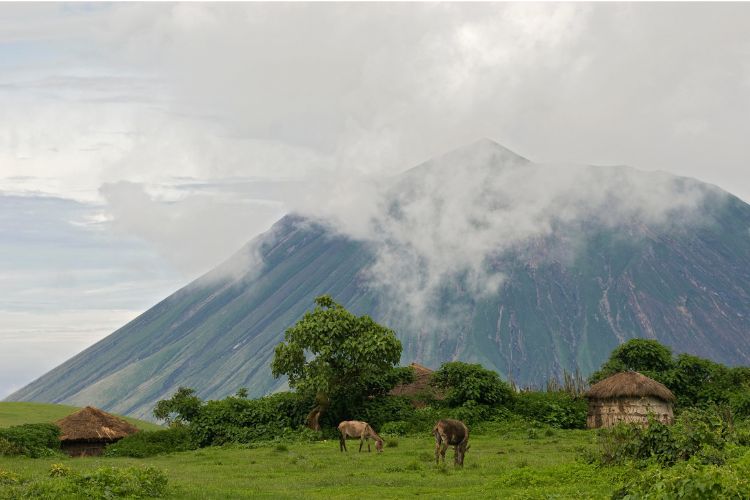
(217, 119)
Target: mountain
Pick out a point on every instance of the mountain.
(479, 255)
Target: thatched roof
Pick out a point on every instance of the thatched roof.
(420, 385)
(93, 424)
(629, 385)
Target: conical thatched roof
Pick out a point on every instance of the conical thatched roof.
(93, 424)
(629, 385)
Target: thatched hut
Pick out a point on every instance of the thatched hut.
(628, 397)
(419, 388)
(87, 431)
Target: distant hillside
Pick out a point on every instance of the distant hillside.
(19, 413)
(565, 275)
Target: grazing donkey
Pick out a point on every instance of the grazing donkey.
(361, 431)
(449, 432)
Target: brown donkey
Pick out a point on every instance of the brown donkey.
(449, 432)
(361, 431)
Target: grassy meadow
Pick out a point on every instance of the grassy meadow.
(505, 461)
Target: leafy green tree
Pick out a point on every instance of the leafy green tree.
(337, 356)
(471, 382)
(642, 355)
(181, 408)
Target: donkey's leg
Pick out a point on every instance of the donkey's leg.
(361, 442)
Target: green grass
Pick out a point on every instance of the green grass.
(504, 463)
(17, 413)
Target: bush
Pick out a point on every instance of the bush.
(471, 382)
(699, 434)
(687, 480)
(377, 412)
(239, 420)
(8, 478)
(149, 443)
(556, 409)
(397, 428)
(128, 482)
(101, 483)
(181, 408)
(33, 440)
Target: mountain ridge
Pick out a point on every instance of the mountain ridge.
(564, 295)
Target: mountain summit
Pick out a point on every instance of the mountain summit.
(478, 255)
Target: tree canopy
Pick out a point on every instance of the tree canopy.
(641, 355)
(337, 355)
(181, 408)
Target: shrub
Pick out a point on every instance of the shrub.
(149, 443)
(471, 382)
(687, 480)
(59, 470)
(699, 434)
(33, 440)
(556, 409)
(130, 481)
(181, 408)
(101, 483)
(9, 478)
(397, 428)
(378, 411)
(239, 420)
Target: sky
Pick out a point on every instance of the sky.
(141, 144)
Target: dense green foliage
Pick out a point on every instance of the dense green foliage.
(689, 481)
(463, 382)
(150, 443)
(336, 356)
(100, 483)
(240, 420)
(33, 440)
(182, 407)
(556, 409)
(693, 380)
(640, 355)
(698, 434)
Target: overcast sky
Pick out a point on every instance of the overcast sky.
(141, 144)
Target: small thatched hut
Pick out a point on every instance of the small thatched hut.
(87, 431)
(420, 387)
(628, 397)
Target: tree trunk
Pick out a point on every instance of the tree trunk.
(313, 418)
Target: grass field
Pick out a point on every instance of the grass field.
(17, 413)
(507, 462)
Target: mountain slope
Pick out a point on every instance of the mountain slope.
(563, 297)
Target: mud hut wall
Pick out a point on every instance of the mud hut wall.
(83, 448)
(610, 412)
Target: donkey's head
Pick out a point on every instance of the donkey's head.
(379, 445)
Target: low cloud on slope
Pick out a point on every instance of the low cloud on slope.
(448, 222)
